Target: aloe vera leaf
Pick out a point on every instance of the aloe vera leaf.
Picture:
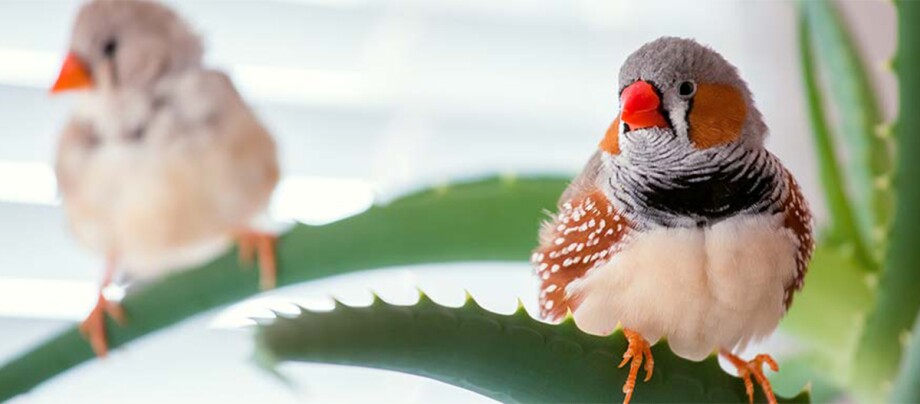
(494, 219)
(843, 227)
(870, 162)
(511, 358)
(907, 385)
(880, 352)
(828, 314)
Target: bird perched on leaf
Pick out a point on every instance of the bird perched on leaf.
(162, 160)
(682, 225)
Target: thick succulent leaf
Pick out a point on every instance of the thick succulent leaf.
(494, 219)
(511, 358)
(869, 159)
(801, 367)
(907, 386)
(881, 347)
(843, 228)
(827, 315)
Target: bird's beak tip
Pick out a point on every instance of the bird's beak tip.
(640, 106)
(73, 76)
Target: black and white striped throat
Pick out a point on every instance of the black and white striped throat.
(680, 186)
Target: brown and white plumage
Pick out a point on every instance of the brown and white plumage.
(162, 160)
(155, 177)
(586, 232)
(682, 225)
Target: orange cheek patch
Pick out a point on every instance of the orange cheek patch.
(611, 141)
(717, 115)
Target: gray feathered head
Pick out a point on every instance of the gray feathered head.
(127, 44)
(677, 88)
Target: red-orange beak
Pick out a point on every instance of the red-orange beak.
(73, 76)
(639, 107)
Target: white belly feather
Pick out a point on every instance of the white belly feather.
(158, 212)
(701, 288)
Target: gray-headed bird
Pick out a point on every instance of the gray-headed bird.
(162, 160)
(682, 225)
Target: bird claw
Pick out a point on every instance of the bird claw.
(263, 244)
(93, 327)
(754, 368)
(637, 351)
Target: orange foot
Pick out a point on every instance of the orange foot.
(251, 242)
(754, 367)
(638, 350)
(93, 328)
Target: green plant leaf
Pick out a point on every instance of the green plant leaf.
(843, 227)
(828, 314)
(493, 219)
(893, 315)
(907, 386)
(802, 367)
(870, 163)
(510, 358)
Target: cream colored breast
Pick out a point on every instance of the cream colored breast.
(701, 288)
(153, 209)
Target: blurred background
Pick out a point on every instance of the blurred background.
(369, 99)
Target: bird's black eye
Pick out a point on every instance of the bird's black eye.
(137, 134)
(158, 103)
(686, 89)
(91, 140)
(109, 48)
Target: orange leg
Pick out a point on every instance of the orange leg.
(93, 327)
(252, 242)
(746, 369)
(637, 350)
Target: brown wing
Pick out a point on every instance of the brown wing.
(586, 232)
(798, 220)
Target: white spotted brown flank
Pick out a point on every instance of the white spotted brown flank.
(583, 235)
